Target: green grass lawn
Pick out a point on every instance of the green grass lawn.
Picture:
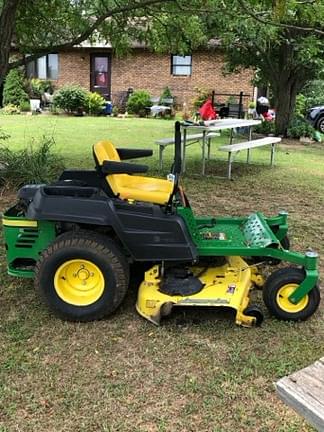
(198, 371)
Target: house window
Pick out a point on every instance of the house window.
(181, 65)
(45, 67)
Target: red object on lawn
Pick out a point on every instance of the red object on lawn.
(207, 111)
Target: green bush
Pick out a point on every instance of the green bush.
(166, 94)
(300, 105)
(37, 87)
(115, 111)
(314, 93)
(299, 127)
(265, 128)
(36, 163)
(70, 98)
(13, 90)
(10, 109)
(138, 101)
(201, 98)
(24, 106)
(232, 100)
(94, 103)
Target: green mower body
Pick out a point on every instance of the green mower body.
(77, 238)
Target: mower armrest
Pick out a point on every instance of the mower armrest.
(125, 153)
(114, 167)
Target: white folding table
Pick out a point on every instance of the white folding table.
(213, 126)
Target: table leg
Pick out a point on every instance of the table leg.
(208, 147)
(272, 154)
(161, 148)
(203, 152)
(231, 136)
(250, 133)
(248, 156)
(183, 150)
(229, 168)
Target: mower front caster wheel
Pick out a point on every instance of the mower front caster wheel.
(254, 311)
(82, 276)
(277, 289)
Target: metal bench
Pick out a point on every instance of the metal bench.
(190, 139)
(304, 392)
(232, 149)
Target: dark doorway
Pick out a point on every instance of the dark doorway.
(100, 74)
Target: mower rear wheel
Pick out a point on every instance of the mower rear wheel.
(277, 289)
(82, 276)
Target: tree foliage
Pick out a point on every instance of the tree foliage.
(281, 39)
(38, 27)
(274, 39)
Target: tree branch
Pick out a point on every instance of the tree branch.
(255, 16)
(39, 52)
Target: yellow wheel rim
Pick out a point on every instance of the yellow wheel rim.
(285, 304)
(79, 282)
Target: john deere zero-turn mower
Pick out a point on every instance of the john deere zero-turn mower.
(78, 236)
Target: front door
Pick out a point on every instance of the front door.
(101, 74)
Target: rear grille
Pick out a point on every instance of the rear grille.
(27, 238)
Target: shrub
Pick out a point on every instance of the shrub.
(70, 98)
(33, 164)
(94, 103)
(314, 93)
(300, 105)
(13, 90)
(115, 111)
(24, 106)
(138, 101)
(265, 128)
(201, 98)
(54, 110)
(166, 94)
(232, 100)
(37, 87)
(10, 109)
(299, 127)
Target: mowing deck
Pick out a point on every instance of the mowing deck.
(304, 392)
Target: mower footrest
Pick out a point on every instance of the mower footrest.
(257, 232)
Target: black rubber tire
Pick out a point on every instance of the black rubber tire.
(285, 243)
(100, 250)
(255, 312)
(283, 277)
(320, 125)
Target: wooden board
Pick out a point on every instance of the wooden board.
(304, 392)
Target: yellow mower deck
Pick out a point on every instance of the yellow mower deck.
(227, 286)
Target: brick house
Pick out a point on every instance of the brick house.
(96, 68)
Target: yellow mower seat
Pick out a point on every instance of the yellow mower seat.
(139, 188)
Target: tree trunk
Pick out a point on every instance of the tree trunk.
(289, 81)
(285, 104)
(7, 27)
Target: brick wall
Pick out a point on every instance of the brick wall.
(145, 70)
(151, 72)
(74, 68)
